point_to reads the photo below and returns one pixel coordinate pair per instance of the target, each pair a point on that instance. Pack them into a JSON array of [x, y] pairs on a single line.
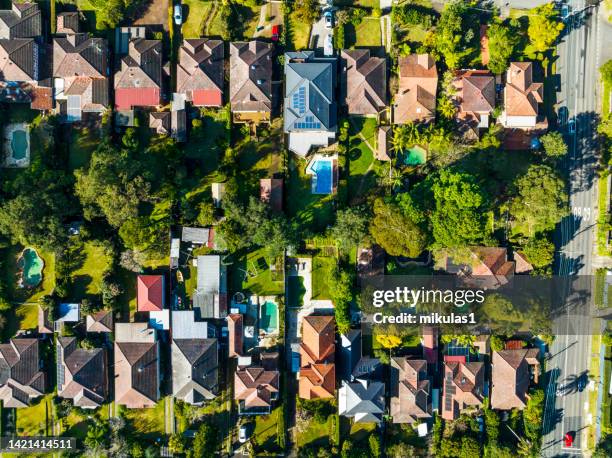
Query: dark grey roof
[[202, 355], [179, 125], [88, 367], [142, 357], [24, 54], [350, 353], [23, 21], [99, 87], [20, 361], [147, 55], [310, 99]]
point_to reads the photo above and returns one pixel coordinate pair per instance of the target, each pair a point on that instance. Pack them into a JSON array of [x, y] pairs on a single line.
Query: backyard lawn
[[36, 419], [76, 423], [260, 279], [299, 32], [266, 431], [82, 144], [323, 268], [365, 34], [147, 422], [361, 157], [87, 280]]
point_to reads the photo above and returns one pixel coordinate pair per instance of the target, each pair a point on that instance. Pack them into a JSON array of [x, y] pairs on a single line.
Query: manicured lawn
[[361, 157], [36, 419], [82, 144], [195, 12], [266, 431], [366, 34], [299, 32], [87, 280], [147, 422], [309, 210], [361, 431], [260, 279], [316, 434], [322, 271]]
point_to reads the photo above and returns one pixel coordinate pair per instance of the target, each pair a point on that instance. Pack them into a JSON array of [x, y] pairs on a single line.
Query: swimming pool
[[322, 180], [268, 317], [415, 156], [31, 266], [19, 144]]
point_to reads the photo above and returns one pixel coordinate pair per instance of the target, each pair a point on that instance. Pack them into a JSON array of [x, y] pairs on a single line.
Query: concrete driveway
[[318, 33]]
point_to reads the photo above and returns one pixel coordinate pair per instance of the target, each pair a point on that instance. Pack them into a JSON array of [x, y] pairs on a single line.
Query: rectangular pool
[[322, 180]]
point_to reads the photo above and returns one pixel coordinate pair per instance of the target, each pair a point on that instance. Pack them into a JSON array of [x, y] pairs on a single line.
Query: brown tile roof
[[235, 334], [251, 76], [200, 67], [410, 390], [476, 91], [490, 265], [18, 60], [42, 98], [160, 121], [364, 82], [510, 377], [101, 321], [256, 386], [21, 378], [384, 143], [317, 351], [271, 191], [522, 263], [141, 68], [416, 96], [463, 386], [23, 20], [317, 381], [522, 95]]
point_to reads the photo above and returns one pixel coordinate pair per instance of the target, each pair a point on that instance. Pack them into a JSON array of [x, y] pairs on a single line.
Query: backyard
[[265, 433], [82, 143], [323, 268], [367, 33], [87, 280], [251, 273], [362, 167], [36, 419], [148, 423]]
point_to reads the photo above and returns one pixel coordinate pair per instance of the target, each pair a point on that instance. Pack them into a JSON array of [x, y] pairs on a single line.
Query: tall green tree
[[545, 26], [205, 442], [540, 251], [457, 34], [554, 145], [395, 231], [502, 41], [351, 226]]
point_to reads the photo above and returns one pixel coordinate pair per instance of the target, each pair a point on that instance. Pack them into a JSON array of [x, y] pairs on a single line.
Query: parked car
[[328, 16], [568, 440], [571, 126], [328, 46], [242, 434], [275, 32], [565, 11], [178, 14]]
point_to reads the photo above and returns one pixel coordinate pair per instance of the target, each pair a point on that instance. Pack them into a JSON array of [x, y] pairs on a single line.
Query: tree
[[502, 41], [604, 447], [351, 226], [544, 28], [456, 36], [395, 231], [388, 341], [540, 251], [96, 438], [374, 442], [342, 295], [458, 218], [554, 144], [205, 442], [492, 420], [532, 415], [540, 201], [307, 11], [606, 72], [401, 450], [132, 260], [497, 343], [206, 213], [470, 448]]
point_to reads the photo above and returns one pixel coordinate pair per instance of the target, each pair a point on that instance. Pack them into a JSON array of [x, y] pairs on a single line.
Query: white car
[[178, 14], [329, 19], [328, 46], [242, 434]]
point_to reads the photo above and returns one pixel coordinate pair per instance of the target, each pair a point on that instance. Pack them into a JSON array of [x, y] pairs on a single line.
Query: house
[[68, 23], [415, 100], [463, 386], [511, 372], [362, 400], [522, 264], [410, 390], [271, 192], [522, 97], [490, 267], [138, 82], [159, 121], [256, 388], [101, 321], [19, 60], [251, 81], [123, 36], [45, 324], [23, 20], [151, 293], [195, 359], [235, 330], [136, 369], [22, 379], [363, 82], [310, 108], [210, 296], [198, 236], [81, 374], [475, 99], [429, 342], [317, 354], [383, 145], [199, 73], [80, 75], [353, 365]]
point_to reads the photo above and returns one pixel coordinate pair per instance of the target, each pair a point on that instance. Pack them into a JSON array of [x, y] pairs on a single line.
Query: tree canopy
[[351, 226], [554, 145], [544, 28], [502, 41], [457, 34]]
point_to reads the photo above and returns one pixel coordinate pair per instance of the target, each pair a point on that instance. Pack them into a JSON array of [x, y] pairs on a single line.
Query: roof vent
[[260, 82]]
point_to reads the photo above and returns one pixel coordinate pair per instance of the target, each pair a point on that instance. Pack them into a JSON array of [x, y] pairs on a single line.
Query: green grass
[[416, 34], [605, 105], [197, 13], [208, 142], [295, 291], [82, 144], [76, 424], [262, 283], [148, 423], [266, 431], [361, 431], [361, 157], [606, 404], [36, 419], [250, 17], [322, 270], [316, 434], [87, 280], [299, 32], [603, 217], [365, 34]]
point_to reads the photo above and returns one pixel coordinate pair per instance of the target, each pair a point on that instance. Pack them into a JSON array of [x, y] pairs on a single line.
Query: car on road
[[328, 16], [178, 14], [581, 383], [571, 126], [275, 32], [328, 46], [242, 434], [565, 11], [568, 439]]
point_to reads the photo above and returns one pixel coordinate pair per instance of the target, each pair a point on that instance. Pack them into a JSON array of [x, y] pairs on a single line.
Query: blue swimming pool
[[322, 181]]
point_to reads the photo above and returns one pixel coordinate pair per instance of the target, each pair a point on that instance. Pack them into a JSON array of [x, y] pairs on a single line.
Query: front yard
[[298, 33]]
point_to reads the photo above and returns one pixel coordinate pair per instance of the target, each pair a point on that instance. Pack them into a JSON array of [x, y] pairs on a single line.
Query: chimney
[[423, 60]]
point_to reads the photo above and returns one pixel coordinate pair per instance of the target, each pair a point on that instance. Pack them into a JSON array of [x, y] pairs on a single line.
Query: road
[[579, 54]]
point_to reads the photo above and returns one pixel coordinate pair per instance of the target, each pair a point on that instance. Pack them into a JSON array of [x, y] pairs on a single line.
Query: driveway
[[273, 10], [318, 34]]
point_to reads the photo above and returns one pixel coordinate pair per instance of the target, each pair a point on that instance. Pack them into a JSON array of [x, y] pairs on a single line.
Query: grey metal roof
[[310, 103], [185, 326], [364, 397], [195, 235]]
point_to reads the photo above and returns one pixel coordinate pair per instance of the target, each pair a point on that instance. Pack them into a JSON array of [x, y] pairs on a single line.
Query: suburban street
[[577, 103]]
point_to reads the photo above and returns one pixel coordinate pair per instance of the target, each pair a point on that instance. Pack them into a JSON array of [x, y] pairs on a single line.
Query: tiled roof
[[150, 293], [410, 390], [317, 351], [522, 95], [18, 60], [22, 21], [80, 55], [68, 22], [510, 377], [101, 321], [251, 76], [463, 386], [199, 71], [21, 378], [137, 373], [139, 80], [256, 386], [418, 84], [195, 369], [476, 91], [364, 82]]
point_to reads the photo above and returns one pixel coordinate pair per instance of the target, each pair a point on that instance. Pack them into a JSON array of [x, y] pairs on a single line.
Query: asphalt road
[[579, 54]]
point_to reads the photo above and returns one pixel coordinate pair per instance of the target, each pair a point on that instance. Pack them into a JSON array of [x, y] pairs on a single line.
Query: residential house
[[317, 354], [463, 386], [68, 23], [522, 264], [159, 121], [136, 367], [415, 100], [195, 359], [256, 388], [353, 365], [22, 379], [511, 372], [429, 342], [475, 99], [363, 82], [151, 293], [251, 81], [271, 192], [310, 108], [410, 390], [363, 400], [522, 97], [101, 321], [81, 373], [235, 331], [490, 267], [198, 236], [138, 82], [23, 20], [383, 145], [210, 296], [19, 60], [199, 73], [80, 75], [45, 324]]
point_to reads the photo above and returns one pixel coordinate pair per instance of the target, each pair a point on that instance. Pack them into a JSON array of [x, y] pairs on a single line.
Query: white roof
[[184, 326], [134, 332], [160, 319]]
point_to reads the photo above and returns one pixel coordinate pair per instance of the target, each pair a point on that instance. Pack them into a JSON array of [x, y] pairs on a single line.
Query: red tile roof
[[207, 98], [126, 98], [150, 293]]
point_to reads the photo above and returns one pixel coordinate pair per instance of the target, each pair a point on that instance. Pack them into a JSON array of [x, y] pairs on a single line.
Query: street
[[579, 59]]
